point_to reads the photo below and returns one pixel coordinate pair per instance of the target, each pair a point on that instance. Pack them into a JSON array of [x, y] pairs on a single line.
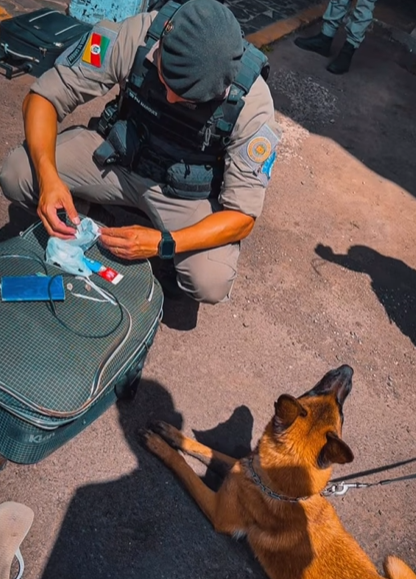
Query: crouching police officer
[[190, 141]]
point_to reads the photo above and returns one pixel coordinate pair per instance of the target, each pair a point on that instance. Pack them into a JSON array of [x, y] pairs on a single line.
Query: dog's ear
[[286, 410], [335, 450]]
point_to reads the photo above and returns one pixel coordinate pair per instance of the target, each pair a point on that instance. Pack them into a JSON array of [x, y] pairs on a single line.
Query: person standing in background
[[357, 24]]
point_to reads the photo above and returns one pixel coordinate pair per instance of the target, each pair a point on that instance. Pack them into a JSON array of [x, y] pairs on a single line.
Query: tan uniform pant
[[205, 276]]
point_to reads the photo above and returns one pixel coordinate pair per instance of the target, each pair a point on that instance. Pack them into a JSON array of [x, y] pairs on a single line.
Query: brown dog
[[274, 495]]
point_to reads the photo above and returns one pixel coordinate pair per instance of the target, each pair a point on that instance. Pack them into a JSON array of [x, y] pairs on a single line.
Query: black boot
[[342, 62], [319, 43]]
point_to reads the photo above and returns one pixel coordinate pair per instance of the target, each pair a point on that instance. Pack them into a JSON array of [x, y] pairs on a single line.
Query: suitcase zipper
[[8, 50], [76, 25], [43, 15]]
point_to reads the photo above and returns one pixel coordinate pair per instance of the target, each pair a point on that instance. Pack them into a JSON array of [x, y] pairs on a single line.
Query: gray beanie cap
[[201, 50]]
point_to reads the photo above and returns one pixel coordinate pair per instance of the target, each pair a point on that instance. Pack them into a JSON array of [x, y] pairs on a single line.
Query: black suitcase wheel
[[126, 390]]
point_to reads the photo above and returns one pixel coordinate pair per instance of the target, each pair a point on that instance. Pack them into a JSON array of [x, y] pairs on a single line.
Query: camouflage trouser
[[358, 21]]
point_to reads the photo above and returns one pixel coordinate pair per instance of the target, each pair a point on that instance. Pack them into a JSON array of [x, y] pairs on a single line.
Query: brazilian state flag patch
[[95, 49]]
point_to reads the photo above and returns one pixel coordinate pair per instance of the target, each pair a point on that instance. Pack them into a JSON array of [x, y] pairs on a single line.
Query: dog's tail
[[394, 568]]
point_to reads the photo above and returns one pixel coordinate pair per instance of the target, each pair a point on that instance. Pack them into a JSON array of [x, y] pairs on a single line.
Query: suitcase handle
[[7, 50]]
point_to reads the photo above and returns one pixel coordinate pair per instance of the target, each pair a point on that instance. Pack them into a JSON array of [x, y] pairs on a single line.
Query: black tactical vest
[[182, 145]]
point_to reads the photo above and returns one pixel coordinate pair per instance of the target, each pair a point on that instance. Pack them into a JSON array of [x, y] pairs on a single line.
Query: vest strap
[[138, 71], [252, 63]]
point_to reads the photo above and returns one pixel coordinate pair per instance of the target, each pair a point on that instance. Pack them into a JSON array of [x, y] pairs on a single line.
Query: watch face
[[168, 248]]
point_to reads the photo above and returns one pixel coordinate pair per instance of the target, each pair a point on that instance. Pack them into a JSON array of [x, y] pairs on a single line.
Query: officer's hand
[[53, 198], [133, 242]]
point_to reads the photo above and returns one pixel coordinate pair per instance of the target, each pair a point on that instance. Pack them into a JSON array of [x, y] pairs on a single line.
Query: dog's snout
[[337, 381], [345, 372], [343, 384]]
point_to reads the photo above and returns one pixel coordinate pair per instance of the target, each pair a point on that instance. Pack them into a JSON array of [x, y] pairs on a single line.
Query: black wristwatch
[[166, 248]]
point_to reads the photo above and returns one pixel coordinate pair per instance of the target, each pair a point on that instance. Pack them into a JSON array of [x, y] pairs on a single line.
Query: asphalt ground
[[327, 277]]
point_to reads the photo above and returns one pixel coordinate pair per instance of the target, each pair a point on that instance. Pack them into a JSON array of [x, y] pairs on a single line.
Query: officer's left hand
[[132, 242]]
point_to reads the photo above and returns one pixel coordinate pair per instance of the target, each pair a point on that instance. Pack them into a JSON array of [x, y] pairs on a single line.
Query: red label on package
[[110, 275]]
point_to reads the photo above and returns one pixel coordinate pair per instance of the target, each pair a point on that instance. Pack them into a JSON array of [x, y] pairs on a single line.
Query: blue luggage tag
[[32, 288]]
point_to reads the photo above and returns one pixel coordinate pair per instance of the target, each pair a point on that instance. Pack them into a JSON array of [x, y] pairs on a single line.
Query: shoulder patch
[[259, 149], [259, 153], [92, 50], [95, 49]]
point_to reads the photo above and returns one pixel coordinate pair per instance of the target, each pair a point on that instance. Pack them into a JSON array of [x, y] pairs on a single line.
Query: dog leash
[[338, 489]]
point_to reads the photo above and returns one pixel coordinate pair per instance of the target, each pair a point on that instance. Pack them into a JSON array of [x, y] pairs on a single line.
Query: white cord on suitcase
[[102, 292]]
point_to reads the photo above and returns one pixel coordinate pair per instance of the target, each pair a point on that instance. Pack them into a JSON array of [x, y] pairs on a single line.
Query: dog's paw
[[141, 434], [153, 442], [172, 435]]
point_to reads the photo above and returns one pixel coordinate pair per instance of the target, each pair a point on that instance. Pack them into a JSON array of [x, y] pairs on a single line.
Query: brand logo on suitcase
[[38, 438]]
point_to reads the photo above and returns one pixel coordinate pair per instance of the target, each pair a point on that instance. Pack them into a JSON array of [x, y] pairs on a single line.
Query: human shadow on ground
[[392, 281], [144, 524]]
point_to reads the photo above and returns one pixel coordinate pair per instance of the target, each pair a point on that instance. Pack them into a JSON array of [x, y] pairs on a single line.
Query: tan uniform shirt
[[92, 67]]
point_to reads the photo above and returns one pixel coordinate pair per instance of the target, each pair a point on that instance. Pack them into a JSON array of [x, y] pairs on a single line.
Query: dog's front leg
[[209, 502], [216, 461]]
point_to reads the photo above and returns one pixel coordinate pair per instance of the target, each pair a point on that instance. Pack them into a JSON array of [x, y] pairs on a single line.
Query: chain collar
[[257, 481]]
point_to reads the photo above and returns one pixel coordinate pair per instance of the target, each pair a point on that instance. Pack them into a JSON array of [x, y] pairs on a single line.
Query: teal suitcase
[[62, 364]]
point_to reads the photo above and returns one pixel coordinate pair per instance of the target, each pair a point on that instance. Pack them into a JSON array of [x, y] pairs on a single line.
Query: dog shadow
[[144, 524], [232, 437], [392, 281]]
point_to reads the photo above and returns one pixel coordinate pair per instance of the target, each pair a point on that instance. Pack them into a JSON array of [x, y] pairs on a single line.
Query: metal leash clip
[[339, 489]]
